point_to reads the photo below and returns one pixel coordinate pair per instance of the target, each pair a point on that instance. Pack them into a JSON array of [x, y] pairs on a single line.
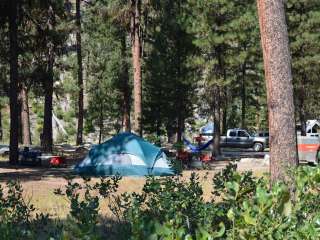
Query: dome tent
[[125, 154]]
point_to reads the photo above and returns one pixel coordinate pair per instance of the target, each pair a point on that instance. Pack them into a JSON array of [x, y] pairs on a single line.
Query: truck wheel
[[258, 147]]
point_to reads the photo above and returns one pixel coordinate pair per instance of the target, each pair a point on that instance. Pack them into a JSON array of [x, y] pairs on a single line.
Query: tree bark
[[14, 113], [47, 122], [48, 90], [180, 129], [277, 66], [224, 111], [25, 117], [216, 151], [79, 140], [125, 88], [136, 58]]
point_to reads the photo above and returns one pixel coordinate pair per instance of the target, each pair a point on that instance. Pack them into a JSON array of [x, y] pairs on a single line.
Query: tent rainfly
[[125, 154]]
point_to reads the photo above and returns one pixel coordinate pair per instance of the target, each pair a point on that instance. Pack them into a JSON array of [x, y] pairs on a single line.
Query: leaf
[[287, 209], [230, 214], [221, 232], [249, 220]]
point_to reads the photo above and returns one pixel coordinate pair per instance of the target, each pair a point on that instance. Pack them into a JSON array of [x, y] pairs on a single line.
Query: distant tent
[[125, 154], [207, 129]]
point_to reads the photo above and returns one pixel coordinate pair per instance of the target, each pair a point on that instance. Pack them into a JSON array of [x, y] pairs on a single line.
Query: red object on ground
[[205, 158], [57, 161]]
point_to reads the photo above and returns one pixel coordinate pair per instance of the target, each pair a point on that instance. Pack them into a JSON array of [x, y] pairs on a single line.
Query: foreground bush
[[241, 207]]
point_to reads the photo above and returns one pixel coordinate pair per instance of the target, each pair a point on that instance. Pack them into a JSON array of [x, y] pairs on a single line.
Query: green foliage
[[84, 206], [170, 81], [106, 63], [241, 207], [303, 19], [15, 213]]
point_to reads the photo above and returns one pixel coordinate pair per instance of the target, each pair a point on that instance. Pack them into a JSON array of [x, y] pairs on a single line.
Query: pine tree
[[14, 124], [277, 65], [80, 73]]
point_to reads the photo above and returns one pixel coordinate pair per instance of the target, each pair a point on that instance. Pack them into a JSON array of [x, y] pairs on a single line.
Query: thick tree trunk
[[25, 118], [136, 58], [125, 88], [216, 151], [14, 113], [47, 122], [48, 91], [79, 140], [277, 65]]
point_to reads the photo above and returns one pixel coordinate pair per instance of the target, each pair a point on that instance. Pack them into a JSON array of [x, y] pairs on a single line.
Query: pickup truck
[[240, 138]]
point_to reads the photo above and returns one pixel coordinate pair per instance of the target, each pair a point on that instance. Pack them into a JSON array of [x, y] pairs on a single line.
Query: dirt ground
[[39, 183]]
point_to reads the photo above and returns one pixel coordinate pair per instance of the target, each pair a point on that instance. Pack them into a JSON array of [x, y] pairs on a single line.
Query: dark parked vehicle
[[240, 138], [264, 134]]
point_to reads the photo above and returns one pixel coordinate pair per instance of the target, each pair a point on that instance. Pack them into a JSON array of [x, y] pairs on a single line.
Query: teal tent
[[125, 154]]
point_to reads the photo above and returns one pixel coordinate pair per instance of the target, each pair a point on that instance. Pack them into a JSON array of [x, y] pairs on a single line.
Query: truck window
[[243, 134], [233, 134]]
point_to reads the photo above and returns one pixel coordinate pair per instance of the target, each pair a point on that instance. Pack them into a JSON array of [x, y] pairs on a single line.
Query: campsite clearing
[[39, 183]]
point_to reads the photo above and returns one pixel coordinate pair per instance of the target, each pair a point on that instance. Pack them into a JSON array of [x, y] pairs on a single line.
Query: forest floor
[[39, 183]]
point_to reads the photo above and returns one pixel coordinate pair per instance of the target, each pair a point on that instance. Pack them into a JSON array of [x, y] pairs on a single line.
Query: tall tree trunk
[[14, 113], [25, 118], [80, 75], [48, 90], [125, 88], [47, 122], [180, 126], [136, 58], [1, 130], [216, 151], [243, 96], [224, 113], [277, 65], [170, 134]]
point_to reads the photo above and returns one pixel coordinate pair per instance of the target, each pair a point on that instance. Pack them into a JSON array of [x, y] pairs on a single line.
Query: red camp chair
[[57, 161]]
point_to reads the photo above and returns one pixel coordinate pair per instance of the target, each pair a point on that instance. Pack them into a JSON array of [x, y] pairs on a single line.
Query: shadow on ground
[[32, 173]]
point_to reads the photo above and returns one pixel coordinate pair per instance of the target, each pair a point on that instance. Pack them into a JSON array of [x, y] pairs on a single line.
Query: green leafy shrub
[[15, 213], [242, 207], [84, 202], [170, 208]]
